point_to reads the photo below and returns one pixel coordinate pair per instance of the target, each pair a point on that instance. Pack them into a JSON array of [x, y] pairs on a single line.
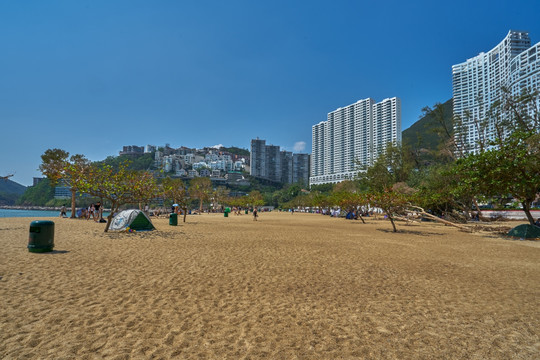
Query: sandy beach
[[300, 286]]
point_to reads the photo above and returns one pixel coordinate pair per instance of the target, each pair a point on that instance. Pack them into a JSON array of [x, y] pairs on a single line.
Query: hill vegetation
[[235, 150], [41, 194], [429, 131], [143, 162], [10, 191], [11, 187]]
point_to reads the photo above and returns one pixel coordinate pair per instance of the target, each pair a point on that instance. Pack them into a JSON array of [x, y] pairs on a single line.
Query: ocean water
[[6, 213]]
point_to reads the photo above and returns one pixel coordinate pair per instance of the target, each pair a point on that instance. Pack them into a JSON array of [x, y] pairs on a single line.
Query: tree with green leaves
[[391, 202], [175, 189], [255, 198], [509, 164], [393, 165], [58, 166], [220, 195], [320, 200], [512, 168], [119, 187], [350, 201], [200, 188]]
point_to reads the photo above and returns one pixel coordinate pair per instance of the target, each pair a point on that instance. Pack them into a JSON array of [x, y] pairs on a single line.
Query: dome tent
[[134, 219], [525, 231]]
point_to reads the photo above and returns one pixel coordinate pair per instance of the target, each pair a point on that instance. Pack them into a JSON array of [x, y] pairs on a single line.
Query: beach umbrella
[[174, 204]]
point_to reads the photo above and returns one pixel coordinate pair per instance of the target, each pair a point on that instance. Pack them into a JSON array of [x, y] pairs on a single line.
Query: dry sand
[[299, 286]]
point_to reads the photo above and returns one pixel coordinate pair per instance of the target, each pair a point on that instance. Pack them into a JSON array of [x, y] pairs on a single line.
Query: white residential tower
[[351, 136], [479, 81]]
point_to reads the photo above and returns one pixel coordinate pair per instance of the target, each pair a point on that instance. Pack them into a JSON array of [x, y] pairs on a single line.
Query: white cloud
[[299, 146]]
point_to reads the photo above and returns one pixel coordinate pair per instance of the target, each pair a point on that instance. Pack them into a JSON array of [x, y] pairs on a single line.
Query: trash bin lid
[[42, 223]]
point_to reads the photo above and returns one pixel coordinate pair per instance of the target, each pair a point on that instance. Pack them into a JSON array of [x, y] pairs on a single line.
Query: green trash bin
[[226, 214], [41, 237], [247, 211], [173, 219]]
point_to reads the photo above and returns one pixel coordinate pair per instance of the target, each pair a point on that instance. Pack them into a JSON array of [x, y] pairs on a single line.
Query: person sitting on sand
[[97, 212], [90, 213]]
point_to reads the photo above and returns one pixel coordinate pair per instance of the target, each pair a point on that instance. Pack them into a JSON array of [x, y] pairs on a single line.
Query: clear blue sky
[[91, 76]]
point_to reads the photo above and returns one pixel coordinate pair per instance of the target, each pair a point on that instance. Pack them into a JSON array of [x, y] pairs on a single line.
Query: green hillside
[[37, 195], [10, 191], [11, 187], [426, 133], [235, 150]]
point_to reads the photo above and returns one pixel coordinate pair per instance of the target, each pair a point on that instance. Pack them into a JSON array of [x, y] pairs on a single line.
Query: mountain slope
[[11, 187], [424, 133], [10, 191]]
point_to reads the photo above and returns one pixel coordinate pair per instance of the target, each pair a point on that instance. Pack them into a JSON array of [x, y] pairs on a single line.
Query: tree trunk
[[200, 205], [527, 210], [185, 213], [114, 208], [392, 221], [73, 195], [478, 208]]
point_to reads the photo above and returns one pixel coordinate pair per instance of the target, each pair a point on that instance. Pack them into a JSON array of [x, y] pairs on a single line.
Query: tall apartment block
[[351, 136], [477, 83], [269, 162], [300, 168], [257, 158], [287, 167]]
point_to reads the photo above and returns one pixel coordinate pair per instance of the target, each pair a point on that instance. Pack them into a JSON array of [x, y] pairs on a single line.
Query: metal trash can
[[41, 237], [173, 219]]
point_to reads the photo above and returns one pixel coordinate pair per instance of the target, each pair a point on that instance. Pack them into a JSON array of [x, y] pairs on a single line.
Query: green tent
[[525, 231], [134, 219]]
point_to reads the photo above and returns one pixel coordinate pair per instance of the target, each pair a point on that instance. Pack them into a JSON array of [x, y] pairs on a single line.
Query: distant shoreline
[[18, 207], [44, 208]]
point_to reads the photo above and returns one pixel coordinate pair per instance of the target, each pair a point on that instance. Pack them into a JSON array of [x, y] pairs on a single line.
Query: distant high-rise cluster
[[479, 81], [351, 136], [269, 162]]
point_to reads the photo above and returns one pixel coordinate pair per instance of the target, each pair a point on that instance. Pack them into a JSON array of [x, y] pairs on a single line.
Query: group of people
[[237, 210], [94, 211]]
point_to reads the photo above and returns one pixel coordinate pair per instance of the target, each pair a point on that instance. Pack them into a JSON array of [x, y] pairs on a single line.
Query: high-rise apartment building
[[478, 82], [257, 158], [269, 162], [351, 136], [300, 168], [273, 163], [286, 167]]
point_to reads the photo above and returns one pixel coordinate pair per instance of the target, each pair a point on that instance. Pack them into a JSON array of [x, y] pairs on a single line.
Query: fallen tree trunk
[[406, 219], [433, 217]]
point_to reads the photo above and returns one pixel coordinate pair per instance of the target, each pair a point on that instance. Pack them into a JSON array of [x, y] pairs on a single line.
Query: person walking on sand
[[63, 211], [255, 215]]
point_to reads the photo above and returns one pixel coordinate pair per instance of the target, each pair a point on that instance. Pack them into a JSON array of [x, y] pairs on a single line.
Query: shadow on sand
[[54, 252], [411, 232]]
